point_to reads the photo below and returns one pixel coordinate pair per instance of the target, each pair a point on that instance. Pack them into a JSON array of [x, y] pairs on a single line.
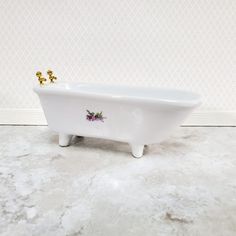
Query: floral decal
[[92, 116]]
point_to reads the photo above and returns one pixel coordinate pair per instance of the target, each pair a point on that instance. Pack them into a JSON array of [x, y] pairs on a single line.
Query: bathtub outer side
[[136, 122]]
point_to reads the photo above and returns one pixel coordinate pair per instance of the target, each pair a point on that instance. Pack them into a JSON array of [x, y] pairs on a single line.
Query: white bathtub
[[138, 116]]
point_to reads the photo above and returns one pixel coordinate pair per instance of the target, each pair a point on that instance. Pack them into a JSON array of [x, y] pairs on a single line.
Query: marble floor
[[183, 186]]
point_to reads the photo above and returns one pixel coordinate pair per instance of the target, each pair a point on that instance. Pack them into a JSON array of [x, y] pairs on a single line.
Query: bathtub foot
[[64, 140], [137, 150]]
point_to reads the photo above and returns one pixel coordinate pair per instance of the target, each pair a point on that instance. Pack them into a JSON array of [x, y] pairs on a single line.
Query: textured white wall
[[188, 44]]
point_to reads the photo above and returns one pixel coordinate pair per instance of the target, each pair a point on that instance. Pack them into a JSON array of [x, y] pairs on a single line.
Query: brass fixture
[[51, 76], [40, 78]]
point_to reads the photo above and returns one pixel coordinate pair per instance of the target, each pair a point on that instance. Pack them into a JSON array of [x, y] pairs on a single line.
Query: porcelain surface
[[138, 116], [184, 186]]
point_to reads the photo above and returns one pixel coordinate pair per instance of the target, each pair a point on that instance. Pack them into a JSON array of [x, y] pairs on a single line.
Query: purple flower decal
[[92, 116]]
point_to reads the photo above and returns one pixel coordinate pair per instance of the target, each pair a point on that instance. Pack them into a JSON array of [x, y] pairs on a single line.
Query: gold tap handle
[[40, 78], [51, 76]]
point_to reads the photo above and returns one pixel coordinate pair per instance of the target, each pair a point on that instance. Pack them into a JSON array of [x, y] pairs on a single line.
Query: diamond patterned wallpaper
[[187, 44]]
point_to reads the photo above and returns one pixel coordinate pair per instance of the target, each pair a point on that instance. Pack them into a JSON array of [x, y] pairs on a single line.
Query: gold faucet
[[40, 78], [51, 76]]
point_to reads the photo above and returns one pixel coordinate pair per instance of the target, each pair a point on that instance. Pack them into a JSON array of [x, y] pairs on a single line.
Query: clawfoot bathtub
[[138, 116]]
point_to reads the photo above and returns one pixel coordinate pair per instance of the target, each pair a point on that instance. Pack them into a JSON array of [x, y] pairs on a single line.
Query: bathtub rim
[[55, 90]]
